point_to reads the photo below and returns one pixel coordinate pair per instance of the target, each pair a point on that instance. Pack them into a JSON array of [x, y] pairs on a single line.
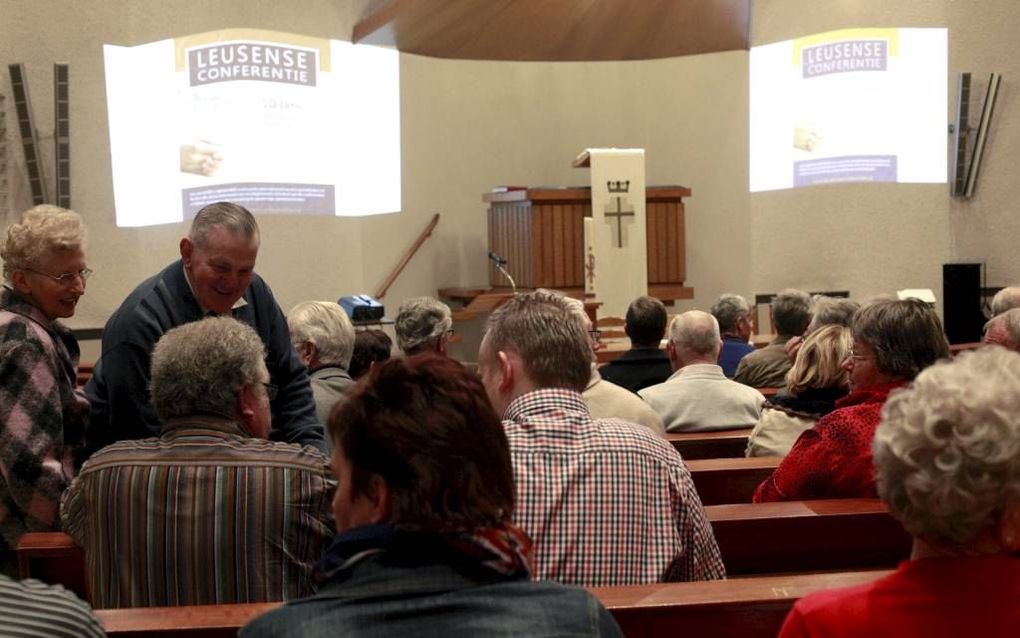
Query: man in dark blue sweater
[[215, 276]]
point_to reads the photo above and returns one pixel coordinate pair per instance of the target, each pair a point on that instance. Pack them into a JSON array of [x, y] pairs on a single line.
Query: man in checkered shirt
[[606, 503]]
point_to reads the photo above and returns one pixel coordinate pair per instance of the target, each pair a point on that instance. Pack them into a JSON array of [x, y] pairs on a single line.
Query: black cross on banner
[[618, 215]]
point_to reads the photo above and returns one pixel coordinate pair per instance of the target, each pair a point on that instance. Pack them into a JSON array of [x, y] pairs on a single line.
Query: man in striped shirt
[[29, 609], [210, 512], [606, 502]]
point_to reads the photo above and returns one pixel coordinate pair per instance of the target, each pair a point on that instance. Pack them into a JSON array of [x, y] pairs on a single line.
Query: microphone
[[500, 262]]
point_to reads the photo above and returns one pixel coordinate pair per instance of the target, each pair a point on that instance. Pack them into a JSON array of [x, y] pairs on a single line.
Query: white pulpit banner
[[619, 245]]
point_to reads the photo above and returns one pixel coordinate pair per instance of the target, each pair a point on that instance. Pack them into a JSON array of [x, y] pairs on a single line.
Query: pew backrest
[[723, 481], [805, 536], [53, 557], [719, 444]]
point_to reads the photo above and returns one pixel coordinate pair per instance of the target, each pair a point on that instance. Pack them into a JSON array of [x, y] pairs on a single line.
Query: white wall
[[470, 125]]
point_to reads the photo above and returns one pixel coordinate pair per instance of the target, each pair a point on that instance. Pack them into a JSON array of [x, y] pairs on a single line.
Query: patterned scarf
[[505, 550]]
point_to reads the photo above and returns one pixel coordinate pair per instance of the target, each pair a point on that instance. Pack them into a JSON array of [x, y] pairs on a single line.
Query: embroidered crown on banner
[[618, 186]]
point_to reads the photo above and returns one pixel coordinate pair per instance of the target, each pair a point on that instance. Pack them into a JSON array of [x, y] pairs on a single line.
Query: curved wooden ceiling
[[556, 30]]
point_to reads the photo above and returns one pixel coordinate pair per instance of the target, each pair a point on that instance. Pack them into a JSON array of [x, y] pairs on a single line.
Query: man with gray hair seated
[[825, 311], [210, 511], [767, 368], [1004, 330], [734, 316], [423, 324], [1005, 299], [698, 397], [323, 337]]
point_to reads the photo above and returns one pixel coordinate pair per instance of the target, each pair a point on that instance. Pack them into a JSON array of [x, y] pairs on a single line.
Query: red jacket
[[832, 459]]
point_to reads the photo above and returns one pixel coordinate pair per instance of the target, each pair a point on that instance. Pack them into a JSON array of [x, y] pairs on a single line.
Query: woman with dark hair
[[947, 460], [423, 506], [892, 342]]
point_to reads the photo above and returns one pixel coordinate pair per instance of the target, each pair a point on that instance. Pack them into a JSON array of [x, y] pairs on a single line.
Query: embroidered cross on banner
[[618, 214]]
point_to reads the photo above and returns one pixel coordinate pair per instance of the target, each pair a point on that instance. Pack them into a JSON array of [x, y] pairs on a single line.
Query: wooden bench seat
[[748, 607], [720, 444], [806, 536], [724, 481]]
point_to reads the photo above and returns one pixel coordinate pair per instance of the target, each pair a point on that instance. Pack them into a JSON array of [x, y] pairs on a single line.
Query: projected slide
[[857, 105], [280, 123]]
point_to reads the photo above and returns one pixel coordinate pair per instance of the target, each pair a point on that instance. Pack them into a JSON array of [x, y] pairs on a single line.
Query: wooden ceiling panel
[[557, 30]]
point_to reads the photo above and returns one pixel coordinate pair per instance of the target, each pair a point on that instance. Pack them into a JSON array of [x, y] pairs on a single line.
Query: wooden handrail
[[407, 257]]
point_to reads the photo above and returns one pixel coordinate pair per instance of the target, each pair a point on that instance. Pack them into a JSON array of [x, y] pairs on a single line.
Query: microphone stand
[[499, 261]]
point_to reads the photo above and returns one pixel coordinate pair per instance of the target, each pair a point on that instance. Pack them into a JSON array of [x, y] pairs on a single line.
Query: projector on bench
[[362, 308]]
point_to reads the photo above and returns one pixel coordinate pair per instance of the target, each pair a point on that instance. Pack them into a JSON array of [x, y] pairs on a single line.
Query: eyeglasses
[[595, 334], [66, 279], [859, 357], [271, 390]]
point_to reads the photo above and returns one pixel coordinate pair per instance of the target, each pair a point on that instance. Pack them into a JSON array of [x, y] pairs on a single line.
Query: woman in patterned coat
[[42, 415]]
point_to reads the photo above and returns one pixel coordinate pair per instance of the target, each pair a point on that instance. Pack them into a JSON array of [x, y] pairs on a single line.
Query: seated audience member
[[42, 415], [947, 458], [424, 509], [370, 347], [892, 342], [645, 363], [608, 400], [606, 503], [1006, 299], [825, 311], [767, 368], [232, 517], [813, 385], [423, 324], [698, 397], [323, 336], [30, 608], [734, 316], [214, 276], [1004, 330]]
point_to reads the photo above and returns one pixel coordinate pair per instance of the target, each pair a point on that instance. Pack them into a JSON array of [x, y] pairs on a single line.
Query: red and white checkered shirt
[[606, 503]]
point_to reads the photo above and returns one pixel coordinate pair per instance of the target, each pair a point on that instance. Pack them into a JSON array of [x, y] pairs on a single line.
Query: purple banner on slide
[[264, 197], [849, 168]]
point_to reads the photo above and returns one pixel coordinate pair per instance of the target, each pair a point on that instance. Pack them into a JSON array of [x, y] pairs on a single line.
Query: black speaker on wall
[[961, 301]]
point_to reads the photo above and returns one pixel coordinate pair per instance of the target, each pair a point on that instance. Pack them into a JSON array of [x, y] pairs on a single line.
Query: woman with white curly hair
[[947, 459], [42, 415]]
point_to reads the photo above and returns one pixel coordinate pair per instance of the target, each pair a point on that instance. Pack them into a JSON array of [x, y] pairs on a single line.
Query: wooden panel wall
[[666, 242], [558, 237], [510, 233]]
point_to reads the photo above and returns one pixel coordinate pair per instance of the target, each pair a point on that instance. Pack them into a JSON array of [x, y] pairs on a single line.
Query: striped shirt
[[605, 502], [205, 514], [30, 609]]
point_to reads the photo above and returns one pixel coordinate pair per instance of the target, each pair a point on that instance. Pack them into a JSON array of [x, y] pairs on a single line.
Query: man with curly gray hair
[[236, 518], [423, 324], [947, 459]]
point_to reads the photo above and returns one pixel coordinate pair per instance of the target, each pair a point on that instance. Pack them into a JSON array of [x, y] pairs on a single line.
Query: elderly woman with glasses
[[42, 415], [947, 459], [892, 342]]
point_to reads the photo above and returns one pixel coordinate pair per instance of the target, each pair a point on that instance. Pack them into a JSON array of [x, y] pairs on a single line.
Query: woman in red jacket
[[947, 457], [893, 342]]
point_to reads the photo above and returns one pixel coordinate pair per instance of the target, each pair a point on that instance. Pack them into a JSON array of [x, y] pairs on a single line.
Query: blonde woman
[[813, 385], [42, 415]]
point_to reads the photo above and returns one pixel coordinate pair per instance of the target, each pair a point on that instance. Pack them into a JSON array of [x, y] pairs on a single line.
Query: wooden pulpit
[[540, 232]]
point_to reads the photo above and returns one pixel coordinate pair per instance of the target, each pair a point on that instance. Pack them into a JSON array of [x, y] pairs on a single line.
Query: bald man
[[698, 396]]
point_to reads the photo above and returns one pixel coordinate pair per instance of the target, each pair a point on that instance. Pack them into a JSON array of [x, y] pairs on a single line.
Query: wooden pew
[[53, 558], [805, 536], [199, 621], [745, 607], [721, 444], [85, 370], [748, 607], [723, 481]]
